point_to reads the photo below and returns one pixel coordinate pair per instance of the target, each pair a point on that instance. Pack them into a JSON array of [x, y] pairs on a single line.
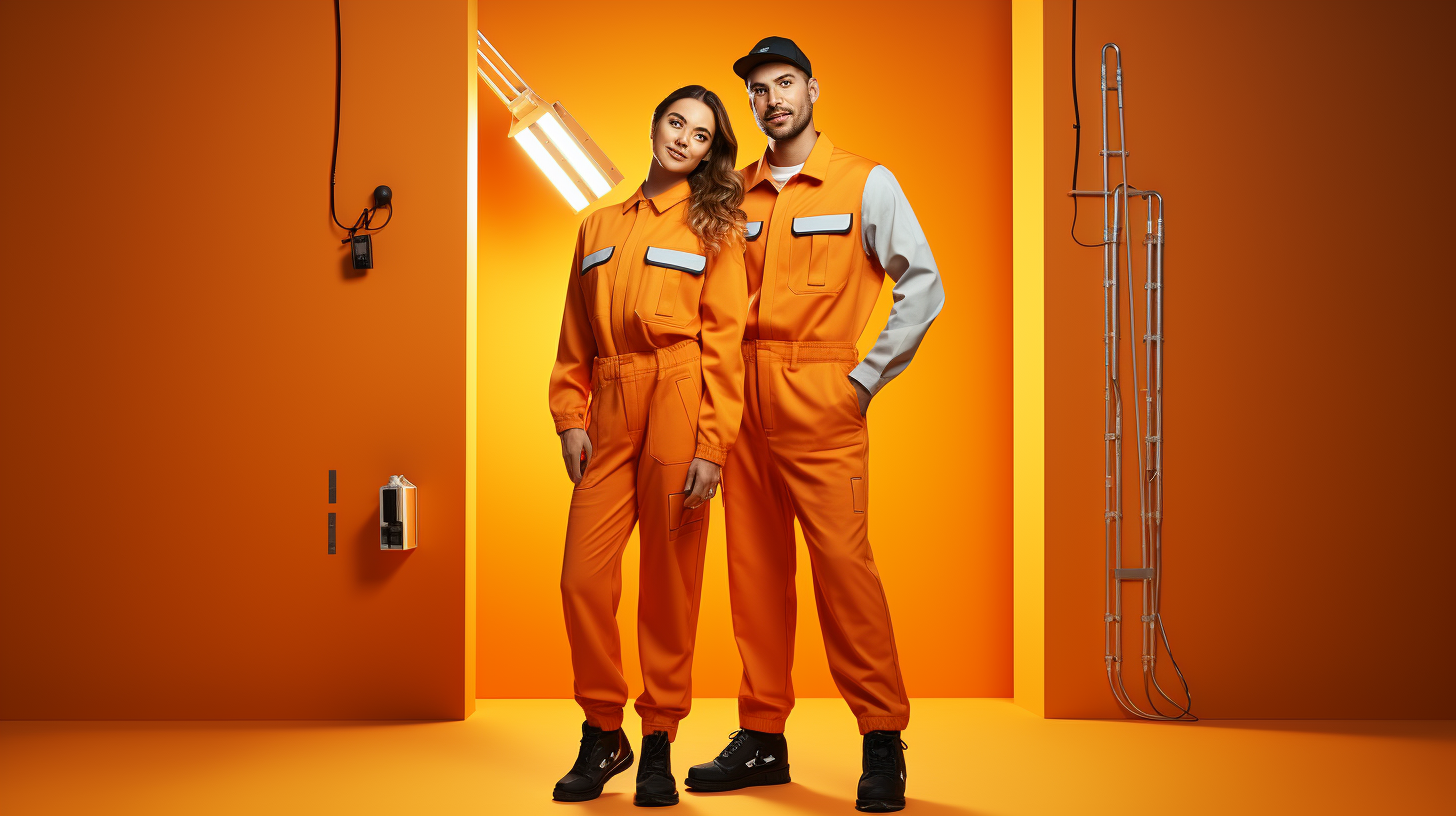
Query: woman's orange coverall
[[652, 331]]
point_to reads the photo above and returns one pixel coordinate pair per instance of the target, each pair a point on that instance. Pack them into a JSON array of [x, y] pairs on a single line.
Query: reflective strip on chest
[[596, 259], [824, 224], [677, 259], [754, 229]]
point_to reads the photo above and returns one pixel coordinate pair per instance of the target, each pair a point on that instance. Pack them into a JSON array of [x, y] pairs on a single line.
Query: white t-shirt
[[783, 174]]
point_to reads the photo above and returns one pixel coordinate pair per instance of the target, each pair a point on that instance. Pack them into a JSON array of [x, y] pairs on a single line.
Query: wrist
[[709, 452]]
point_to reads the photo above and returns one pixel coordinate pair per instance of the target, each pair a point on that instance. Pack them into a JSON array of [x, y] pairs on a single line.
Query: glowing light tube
[[575, 155], [558, 177]]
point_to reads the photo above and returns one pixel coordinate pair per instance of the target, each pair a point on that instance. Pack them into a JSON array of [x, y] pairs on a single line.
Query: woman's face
[[683, 135]]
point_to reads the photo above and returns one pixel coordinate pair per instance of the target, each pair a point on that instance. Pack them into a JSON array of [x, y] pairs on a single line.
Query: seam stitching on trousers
[[790, 587]]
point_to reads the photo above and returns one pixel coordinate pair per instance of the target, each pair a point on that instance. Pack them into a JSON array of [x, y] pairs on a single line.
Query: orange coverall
[[651, 331], [803, 450]]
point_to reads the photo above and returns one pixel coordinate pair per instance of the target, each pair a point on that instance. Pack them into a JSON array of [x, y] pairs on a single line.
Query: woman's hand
[[702, 483], [575, 443]]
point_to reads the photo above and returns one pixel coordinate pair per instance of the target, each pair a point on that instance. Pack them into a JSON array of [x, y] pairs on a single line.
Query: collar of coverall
[[815, 167], [662, 202]]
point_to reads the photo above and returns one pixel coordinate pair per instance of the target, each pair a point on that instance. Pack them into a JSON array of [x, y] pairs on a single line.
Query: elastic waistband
[[800, 351], [625, 365]]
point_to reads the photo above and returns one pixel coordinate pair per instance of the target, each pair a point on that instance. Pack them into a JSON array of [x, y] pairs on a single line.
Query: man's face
[[782, 98]]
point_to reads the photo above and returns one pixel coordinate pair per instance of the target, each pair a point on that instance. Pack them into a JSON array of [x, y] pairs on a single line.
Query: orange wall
[[925, 90], [186, 359], [1305, 153]]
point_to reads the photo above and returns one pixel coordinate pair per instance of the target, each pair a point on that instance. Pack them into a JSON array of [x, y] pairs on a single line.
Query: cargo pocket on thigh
[[857, 493], [672, 429], [681, 521]]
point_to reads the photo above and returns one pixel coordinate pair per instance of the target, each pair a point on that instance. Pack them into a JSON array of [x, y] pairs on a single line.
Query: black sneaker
[[752, 758], [603, 755], [882, 785], [655, 785]]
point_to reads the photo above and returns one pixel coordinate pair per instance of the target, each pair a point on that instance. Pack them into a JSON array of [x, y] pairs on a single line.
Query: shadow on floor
[[794, 796], [813, 802], [1438, 730]]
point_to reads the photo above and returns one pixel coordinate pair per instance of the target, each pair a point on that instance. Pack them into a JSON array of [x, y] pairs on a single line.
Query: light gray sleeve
[[891, 234]]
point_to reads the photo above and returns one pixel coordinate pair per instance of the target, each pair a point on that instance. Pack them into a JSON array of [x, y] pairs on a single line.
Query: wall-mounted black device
[[361, 248], [363, 252]]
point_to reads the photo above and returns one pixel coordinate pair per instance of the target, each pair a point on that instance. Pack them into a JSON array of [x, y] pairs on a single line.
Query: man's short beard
[[797, 126]]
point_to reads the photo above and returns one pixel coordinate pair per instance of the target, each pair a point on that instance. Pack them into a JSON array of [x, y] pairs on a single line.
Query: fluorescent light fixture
[[574, 163], [568, 147], [553, 171]]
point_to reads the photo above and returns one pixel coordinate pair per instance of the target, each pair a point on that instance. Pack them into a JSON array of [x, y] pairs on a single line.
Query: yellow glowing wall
[[1028, 346]]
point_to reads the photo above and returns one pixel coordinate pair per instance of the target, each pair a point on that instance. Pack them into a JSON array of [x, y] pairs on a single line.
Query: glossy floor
[[967, 757]]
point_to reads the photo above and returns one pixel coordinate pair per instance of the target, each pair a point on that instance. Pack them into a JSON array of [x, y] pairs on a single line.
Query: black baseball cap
[[772, 49]]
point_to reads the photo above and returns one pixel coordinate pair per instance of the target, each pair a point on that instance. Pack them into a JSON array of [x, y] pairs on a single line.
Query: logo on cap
[[765, 48]]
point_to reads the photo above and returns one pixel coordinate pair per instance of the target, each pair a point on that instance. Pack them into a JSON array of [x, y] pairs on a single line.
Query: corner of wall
[[472, 92], [1028, 367]]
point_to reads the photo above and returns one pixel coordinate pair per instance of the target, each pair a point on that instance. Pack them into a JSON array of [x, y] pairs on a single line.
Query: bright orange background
[[163, 349], [926, 91], [1305, 151], [186, 359]]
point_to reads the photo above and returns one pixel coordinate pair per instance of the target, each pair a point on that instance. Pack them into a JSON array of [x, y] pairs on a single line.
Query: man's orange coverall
[[651, 331], [818, 252]]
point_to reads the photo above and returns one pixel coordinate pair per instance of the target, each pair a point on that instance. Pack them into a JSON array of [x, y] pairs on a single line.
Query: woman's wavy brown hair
[[714, 213]]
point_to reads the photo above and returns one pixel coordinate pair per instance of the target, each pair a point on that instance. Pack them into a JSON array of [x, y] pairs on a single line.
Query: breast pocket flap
[[688, 262], [596, 259], [838, 224]]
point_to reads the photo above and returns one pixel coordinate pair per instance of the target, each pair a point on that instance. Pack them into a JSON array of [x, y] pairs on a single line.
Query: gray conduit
[[1116, 210]]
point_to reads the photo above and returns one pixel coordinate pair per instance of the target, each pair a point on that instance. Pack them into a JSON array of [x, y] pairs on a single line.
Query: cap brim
[[748, 63]]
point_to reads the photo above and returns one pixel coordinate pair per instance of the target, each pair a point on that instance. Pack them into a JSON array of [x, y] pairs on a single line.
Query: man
[[825, 228]]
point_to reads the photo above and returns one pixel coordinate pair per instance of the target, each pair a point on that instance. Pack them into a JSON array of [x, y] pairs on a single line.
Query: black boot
[[603, 755], [882, 785], [655, 785], [752, 758]]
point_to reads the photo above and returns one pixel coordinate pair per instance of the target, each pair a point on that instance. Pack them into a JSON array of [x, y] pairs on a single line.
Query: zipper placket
[[768, 291], [624, 271]]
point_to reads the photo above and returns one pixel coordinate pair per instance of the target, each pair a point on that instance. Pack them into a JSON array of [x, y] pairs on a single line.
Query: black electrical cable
[[362, 223], [390, 205], [1187, 707], [338, 92], [1077, 126]]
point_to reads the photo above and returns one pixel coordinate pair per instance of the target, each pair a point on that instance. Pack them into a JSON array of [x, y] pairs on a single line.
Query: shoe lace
[[655, 757], [880, 754], [583, 756], [739, 737]]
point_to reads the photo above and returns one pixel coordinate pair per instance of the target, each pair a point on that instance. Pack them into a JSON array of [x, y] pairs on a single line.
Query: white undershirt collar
[[783, 174]]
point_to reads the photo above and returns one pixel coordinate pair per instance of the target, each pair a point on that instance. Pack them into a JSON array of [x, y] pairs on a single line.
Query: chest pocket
[[602, 262], [820, 253], [673, 285]]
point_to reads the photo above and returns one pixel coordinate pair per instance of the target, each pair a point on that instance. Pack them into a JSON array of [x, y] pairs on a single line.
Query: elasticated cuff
[[671, 728], [763, 724], [607, 721], [711, 452], [868, 724], [565, 422]]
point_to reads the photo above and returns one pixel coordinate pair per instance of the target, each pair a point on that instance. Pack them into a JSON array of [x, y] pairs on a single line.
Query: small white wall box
[[398, 515]]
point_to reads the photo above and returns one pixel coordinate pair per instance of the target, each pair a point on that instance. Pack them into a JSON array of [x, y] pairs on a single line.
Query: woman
[[655, 309]]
